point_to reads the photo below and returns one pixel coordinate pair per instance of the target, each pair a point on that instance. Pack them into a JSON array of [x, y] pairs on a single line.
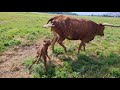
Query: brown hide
[[75, 29]]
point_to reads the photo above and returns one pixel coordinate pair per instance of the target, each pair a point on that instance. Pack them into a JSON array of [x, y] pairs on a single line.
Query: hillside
[[65, 13], [112, 14], [21, 33]]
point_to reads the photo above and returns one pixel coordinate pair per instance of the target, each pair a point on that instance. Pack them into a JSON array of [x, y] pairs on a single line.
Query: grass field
[[101, 59]]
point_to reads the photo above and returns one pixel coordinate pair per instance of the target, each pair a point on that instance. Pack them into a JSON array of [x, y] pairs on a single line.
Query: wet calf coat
[[42, 53]]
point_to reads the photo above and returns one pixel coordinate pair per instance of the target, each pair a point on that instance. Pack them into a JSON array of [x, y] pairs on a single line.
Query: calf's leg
[[45, 62], [33, 63]]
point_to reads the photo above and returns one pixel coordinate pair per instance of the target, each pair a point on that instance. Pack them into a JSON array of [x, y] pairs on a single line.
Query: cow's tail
[[49, 25], [50, 20]]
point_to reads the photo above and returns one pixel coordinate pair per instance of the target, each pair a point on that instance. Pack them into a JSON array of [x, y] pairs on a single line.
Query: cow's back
[[74, 29]]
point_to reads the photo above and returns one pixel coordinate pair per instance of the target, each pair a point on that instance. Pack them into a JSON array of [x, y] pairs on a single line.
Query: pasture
[[24, 29]]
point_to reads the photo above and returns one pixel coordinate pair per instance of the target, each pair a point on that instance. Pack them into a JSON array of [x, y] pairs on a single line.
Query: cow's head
[[100, 30]]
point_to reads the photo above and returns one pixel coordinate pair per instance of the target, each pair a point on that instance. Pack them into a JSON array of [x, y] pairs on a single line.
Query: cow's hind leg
[[84, 46], [60, 41], [80, 46], [53, 43]]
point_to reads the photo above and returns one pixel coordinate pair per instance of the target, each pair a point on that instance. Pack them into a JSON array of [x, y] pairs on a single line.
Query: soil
[[11, 61]]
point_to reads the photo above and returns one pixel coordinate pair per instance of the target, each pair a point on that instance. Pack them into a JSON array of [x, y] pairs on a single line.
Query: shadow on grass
[[88, 66], [80, 66]]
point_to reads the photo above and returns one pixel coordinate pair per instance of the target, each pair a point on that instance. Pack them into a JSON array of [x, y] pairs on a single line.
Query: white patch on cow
[[48, 25]]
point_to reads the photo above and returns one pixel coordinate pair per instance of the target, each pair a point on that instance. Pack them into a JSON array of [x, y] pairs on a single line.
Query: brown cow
[[65, 27]]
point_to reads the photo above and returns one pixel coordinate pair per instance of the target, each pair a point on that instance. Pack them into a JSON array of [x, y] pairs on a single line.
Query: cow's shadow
[[95, 66], [86, 66]]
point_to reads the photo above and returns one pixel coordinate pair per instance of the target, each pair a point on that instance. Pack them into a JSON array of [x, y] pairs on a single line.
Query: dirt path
[[11, 61]]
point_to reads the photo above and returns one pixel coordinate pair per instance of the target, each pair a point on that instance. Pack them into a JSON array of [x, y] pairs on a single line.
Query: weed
[[58, 50]]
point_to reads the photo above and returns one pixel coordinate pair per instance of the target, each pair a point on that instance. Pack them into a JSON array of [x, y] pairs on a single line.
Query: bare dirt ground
[[11, 61]]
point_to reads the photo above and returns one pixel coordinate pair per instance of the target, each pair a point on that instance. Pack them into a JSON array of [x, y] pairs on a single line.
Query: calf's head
[[47, 42]]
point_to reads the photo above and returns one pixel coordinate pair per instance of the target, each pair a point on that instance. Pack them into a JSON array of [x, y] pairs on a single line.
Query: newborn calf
[[43, 53]]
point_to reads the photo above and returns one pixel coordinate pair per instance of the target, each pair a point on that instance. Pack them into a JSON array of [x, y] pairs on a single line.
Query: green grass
[[84, 66], [101, 59], [21, 25]]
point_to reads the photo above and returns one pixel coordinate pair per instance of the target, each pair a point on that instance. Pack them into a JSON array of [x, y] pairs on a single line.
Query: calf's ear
[[44, 41]]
